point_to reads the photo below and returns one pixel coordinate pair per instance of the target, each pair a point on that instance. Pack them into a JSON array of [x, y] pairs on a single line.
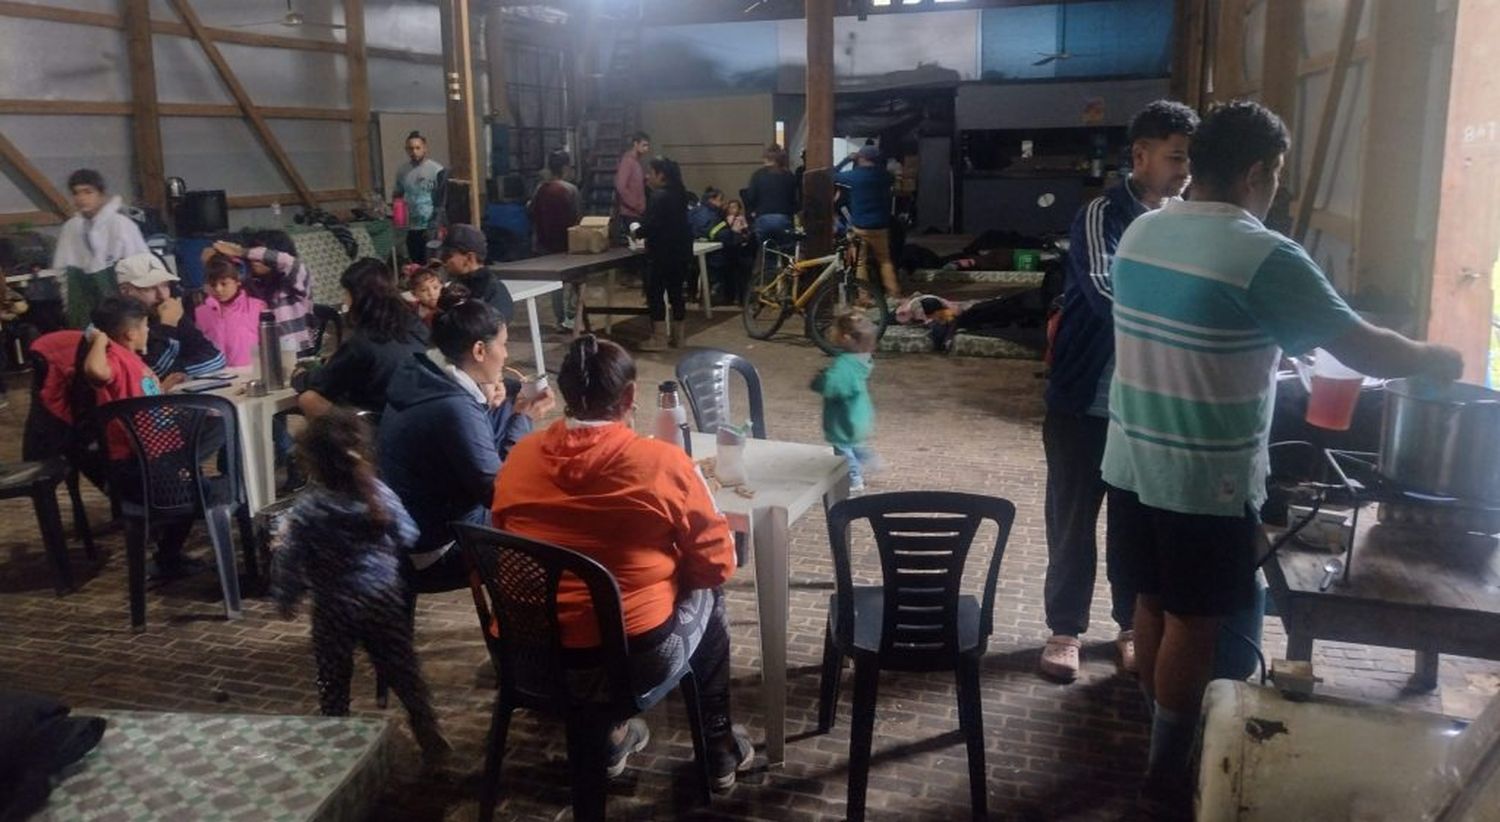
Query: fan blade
[[1045, 60], [261, 23], [322, 25]]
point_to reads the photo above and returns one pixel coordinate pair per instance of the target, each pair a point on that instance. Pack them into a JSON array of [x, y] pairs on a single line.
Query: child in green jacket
[[848, 414]]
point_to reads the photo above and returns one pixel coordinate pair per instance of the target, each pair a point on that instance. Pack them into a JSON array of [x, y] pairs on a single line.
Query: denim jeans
[[858, 456], [777, 230], [1074, 445]]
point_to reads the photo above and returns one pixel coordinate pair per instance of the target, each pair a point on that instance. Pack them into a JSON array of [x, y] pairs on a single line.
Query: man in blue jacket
[[1077, 420], [869, 187]]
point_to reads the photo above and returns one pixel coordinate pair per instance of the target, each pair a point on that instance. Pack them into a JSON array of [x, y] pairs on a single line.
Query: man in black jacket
[[175, 349], [463, 255]]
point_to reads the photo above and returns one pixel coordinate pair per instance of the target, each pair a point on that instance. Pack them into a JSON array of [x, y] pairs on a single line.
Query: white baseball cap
[[143, 270]]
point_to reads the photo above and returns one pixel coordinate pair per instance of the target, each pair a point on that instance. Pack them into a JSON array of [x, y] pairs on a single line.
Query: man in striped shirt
[[1078, 390], [1206, 301]]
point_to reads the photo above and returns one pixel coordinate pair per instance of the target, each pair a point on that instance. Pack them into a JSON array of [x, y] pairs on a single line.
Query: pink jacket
[[234, 328]]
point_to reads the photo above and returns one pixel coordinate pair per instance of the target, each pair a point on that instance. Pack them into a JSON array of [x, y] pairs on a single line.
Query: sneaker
[[637, 735], [1125, 647], [1060, 658], [435, 747], [856, 486], [726, 763], [652, 344]]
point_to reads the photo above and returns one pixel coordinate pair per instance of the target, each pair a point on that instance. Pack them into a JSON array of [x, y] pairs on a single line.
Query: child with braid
[[341, 540]]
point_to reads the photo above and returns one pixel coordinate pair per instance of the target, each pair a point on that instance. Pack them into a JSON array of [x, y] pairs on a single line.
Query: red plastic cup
[[1333, 393]]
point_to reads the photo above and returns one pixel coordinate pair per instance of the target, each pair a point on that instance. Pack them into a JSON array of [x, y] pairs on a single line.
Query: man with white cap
[[175, 349]]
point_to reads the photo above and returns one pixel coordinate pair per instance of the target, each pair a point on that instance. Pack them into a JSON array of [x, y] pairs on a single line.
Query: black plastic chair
[[704, 376], [324, 318], [39, 481], [918, 620], [514, 582], [46, 436], [170, 437]]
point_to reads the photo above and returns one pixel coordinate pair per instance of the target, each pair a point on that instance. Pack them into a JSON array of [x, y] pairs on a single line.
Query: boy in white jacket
[[98, 236]]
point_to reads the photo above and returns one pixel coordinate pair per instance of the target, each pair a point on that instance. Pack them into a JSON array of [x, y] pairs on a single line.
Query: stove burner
[[1352, 479]]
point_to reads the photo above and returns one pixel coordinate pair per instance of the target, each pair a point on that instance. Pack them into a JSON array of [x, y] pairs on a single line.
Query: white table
[[788, 479], [253, 415], [529, 290], [701, 250]]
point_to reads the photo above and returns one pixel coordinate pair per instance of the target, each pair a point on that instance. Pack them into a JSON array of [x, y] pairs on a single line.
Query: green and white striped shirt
[[1206, 299]]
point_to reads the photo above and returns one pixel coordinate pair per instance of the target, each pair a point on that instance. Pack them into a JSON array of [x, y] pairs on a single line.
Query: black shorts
[[1197, 565]]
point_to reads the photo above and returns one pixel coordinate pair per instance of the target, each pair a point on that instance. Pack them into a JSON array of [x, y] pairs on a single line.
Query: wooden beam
[[404, 55], [359, 92], [97, 107], [1230, 81], [27, 11], [463, 155], [72, 107], [1278, 68], [37, 218], [1323, 137], [257, 123], [35, 177], [1190, 23], [264, 200], [268, 112], [241, 37], [1333, 224], [1319, 63], [817, 181], [145, 115], [1392, 232]]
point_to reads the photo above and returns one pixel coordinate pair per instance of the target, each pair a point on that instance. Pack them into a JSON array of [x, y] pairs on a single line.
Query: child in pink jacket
[[229, 317]]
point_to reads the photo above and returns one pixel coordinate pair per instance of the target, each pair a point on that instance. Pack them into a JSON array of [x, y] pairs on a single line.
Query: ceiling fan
[[1062, 52], [292, 20]]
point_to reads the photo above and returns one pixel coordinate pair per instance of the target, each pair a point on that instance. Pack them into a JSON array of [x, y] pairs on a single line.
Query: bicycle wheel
[[767, 303], [841, 296]]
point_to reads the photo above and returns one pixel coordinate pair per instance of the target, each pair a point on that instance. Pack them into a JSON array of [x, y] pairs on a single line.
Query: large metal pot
[[1443, 441]]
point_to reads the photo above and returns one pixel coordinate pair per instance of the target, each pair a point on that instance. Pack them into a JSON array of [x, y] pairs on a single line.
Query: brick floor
[[1053, 752]]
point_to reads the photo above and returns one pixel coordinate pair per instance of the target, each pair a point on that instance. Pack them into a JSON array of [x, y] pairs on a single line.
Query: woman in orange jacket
[[641, 508]]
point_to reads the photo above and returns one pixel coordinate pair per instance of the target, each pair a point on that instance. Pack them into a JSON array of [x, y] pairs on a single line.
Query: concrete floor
[[1054, 752]]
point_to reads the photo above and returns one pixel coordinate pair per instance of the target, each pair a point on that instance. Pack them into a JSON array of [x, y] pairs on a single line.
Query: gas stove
[[1331, 479]]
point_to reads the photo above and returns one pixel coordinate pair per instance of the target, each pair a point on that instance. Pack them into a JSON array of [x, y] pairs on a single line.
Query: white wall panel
[[183, 73], [322, 150], [58, 144], [218, 152], [40, 59], [289, 77], [398, 85]]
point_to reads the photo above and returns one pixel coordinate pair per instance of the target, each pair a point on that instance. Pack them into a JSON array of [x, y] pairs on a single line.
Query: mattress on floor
[[184, 766]]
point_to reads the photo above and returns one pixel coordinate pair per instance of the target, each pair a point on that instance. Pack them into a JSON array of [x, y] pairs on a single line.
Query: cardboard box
[[591, 236]]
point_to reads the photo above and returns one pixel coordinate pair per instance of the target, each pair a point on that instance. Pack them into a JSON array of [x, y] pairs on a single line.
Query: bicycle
[[771, 297]]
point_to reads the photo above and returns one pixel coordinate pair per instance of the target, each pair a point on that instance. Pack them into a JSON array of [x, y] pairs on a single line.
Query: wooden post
[[359, 93], [1389, 251], [145, 115], [817, 181], [1190, 22], [237, 91], [55, 199], [1229, 51], [1279, 58], [1323, 137], [1468, 222], [498, 104], [458, 63]]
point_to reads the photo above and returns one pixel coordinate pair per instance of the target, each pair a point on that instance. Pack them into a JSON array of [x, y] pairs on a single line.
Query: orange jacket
[[638, 506]]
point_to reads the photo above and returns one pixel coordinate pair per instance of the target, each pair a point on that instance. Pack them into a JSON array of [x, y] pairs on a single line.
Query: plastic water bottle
[[671, 417], [276, 214]]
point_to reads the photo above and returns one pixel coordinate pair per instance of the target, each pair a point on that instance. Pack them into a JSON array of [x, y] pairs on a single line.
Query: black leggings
[[665, 282], [416, 245], [378, 620]]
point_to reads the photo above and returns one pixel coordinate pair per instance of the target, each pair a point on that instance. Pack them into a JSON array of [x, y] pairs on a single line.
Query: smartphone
[[204, 387]]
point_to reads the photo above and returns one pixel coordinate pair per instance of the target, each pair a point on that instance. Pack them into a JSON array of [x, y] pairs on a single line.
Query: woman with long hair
[[385, 332], [669, 251], [640, 508]]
